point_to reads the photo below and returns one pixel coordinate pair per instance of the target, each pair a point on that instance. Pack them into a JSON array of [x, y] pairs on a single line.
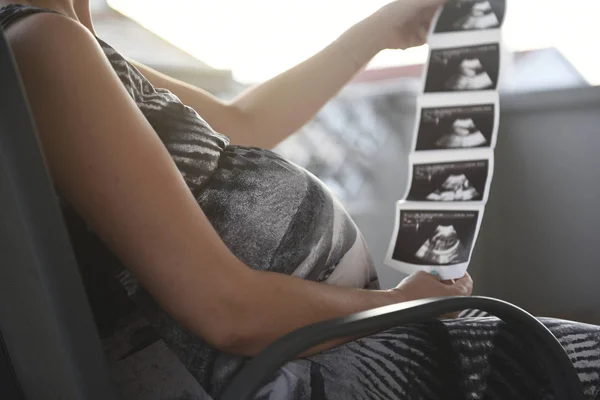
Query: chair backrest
[[49, 346]]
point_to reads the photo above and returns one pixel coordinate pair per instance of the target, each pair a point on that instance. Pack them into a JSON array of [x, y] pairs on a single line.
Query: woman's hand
[[403, 23], [422, 285]]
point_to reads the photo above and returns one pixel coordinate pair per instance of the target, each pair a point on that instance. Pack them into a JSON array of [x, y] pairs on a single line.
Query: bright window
[[257, 39]]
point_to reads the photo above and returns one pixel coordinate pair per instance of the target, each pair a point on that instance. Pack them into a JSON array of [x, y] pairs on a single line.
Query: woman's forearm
[[269, 305], [255, 308], [279, 107]]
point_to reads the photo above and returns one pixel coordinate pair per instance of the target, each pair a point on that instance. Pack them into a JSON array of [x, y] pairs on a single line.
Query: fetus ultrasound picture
[[468, 15], [451, 181], [435, 238], [456, 127], [463, 69]]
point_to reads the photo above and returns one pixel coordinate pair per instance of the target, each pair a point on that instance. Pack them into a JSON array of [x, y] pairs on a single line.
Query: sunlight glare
[[260, 38]]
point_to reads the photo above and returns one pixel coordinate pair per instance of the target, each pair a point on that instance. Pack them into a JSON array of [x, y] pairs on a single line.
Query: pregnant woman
[[199, 248]]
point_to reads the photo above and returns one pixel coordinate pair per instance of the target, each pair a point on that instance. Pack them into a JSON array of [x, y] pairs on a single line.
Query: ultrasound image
[[435, 237], [456, 127], [450, 181], [468, 15], [463, 69]]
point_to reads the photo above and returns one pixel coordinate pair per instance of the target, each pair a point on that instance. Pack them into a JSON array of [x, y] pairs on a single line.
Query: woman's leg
[[467, 358]]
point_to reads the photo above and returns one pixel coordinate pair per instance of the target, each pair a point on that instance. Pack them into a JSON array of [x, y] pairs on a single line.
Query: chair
[[49, 347]]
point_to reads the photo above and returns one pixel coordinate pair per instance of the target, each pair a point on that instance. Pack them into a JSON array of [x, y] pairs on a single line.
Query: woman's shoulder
[[57, 58], [44, 38], [53, 32], [11, 13]]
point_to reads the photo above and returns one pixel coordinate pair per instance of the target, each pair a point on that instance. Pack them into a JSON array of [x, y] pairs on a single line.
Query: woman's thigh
[[468, 358]]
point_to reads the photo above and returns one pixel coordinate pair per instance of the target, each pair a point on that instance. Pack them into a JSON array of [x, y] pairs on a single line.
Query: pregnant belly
[[274, 215]]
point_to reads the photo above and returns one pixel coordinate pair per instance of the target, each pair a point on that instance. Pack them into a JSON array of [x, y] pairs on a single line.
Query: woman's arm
[[268, 113], [108, 162], [279, 107]]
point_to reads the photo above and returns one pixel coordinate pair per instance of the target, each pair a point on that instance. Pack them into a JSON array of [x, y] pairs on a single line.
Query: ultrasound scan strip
[[451, 165]]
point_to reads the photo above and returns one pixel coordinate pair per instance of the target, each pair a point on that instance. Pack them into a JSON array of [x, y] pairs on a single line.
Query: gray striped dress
[[276, 216]]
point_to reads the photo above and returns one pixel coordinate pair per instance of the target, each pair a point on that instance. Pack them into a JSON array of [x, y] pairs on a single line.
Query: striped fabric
[[193, 145], [465, 358], [275, 216]]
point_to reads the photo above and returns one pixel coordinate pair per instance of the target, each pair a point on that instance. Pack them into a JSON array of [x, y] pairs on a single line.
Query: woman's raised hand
[[403, 23]]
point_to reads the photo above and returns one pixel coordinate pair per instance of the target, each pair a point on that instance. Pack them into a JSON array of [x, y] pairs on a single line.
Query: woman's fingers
[[461, 287], [428, 13], [424, 24], [422, 32]]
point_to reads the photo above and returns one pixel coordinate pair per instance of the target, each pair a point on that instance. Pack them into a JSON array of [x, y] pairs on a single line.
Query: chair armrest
[[557, 365]]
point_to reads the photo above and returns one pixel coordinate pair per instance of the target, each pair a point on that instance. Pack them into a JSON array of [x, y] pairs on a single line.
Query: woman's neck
[[78, 10]]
